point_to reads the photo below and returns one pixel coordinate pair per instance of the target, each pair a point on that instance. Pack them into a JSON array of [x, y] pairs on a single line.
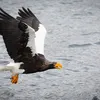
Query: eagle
[[24, 38]]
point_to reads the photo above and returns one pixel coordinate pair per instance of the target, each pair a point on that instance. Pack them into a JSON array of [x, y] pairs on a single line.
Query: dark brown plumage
[[19, 37]]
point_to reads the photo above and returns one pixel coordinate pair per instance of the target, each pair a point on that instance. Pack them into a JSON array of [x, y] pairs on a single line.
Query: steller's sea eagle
[[24, 39]]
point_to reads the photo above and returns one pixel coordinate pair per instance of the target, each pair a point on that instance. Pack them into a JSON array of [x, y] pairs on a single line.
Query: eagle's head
[[44, 64]]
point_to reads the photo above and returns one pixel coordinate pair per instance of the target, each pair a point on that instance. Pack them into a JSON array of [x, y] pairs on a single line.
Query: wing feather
[[12, 31], [28, 17], [3, 13]]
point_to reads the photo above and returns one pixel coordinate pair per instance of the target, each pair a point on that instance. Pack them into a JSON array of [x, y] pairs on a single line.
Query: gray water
[[73, 39]]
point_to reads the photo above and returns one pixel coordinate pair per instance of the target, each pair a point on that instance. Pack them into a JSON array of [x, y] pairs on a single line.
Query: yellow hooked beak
[[58, 66]]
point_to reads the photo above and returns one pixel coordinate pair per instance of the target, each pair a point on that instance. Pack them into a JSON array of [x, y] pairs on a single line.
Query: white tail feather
[[5, 68], [12, 67]]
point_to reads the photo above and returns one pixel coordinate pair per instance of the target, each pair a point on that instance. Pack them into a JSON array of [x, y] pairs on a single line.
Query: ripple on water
[[91, 33], [95, 98], [73, 70], [6, 94], [65, 59], [79, 45], [4, 62], [98, 43]]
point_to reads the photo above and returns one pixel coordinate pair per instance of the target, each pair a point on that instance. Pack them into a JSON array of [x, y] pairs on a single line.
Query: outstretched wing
[[16, 34], [28, 17], [10, 32]]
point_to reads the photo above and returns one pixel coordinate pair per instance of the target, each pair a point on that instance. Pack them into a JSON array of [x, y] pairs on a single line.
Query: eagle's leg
[[14, 78]]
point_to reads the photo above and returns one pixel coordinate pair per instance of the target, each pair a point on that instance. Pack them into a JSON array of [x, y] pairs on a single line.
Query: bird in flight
[[24, 40]]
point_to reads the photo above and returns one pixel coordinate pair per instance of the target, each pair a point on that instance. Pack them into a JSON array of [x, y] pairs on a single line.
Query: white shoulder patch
[[40, 38], [36, 39], [31, 41]]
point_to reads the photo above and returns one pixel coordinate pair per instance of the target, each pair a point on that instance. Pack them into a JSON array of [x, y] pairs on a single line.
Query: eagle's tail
[[6, 68], [12, 67], [3, 68]]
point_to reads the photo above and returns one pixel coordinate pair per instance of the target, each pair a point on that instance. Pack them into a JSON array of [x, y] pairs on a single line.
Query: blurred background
[[73, 39]]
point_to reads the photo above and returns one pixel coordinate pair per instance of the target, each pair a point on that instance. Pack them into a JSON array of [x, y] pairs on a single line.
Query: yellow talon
[[14, 79]]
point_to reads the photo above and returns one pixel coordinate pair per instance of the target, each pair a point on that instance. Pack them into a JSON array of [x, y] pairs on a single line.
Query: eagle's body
[[24, 39]]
